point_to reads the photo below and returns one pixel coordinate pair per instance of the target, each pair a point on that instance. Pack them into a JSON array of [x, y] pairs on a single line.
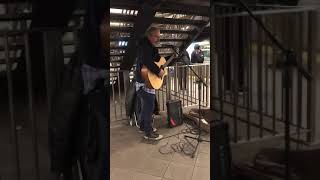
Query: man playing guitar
[[147, 55]]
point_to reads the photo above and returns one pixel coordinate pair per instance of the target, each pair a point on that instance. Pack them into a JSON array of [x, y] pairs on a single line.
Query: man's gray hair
[[151, 29]]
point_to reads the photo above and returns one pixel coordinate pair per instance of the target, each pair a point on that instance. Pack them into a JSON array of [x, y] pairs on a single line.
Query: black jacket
[[197, 57], [147, 54]]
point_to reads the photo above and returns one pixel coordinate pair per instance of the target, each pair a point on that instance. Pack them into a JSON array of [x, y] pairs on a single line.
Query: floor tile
[[128, 160], [200, 173], [177, 171], [120, 174], [163, 153], [183, 159], [155, 167], [204, 147], [203, 160], [142, 176]]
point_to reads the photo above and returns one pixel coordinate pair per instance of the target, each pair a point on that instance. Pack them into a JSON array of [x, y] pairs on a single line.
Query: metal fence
[[180, 83], [24, 115], [248, 84], [244, 82]]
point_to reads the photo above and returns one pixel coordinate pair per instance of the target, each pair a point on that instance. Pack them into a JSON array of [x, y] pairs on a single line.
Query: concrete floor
[[133, 158]]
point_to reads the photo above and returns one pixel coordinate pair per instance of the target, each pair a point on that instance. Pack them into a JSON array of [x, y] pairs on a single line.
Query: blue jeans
[[147, 108]]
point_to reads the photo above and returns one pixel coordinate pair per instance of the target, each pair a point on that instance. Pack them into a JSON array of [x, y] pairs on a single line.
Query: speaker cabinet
[[174, 112]]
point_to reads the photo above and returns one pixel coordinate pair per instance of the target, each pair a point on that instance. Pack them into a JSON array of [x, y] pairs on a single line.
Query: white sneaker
[[142, 130], [153, 136]]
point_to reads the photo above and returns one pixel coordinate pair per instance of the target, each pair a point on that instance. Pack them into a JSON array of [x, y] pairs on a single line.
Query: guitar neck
[[168, 62]]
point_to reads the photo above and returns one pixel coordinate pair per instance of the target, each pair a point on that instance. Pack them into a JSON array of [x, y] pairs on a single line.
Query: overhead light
[[115, 11], [115, 24]]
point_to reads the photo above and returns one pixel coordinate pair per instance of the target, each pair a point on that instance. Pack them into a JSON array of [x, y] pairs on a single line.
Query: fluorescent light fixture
[[115, 11]]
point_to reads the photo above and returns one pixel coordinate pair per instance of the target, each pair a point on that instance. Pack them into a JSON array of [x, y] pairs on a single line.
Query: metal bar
[[299, 17], [164, 31], [266, 60], [175, 81], [33, 121], [312, 36], [21, 32], [119, 91], [244, 43], [187, 85], [126, 78], [274, 80], [208, 83], [11, 110], [256, 5], [221, 45], [224, 56], [113, 98], [160, 20], [255, 111], [269, 12], [259, 78], [193, 88], [162, 93], [203, 73], [250, 62], [249, 79], [183, 82], [268, 137], [168, 85], [235, 64], [158, 98], [245, 121]]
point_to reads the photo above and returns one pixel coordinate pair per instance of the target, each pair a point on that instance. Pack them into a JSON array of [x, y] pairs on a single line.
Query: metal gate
[[24, 113], [247, 82]]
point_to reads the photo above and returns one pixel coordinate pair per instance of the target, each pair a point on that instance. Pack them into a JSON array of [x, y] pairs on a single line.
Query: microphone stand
[[289, 62], [199, 82]]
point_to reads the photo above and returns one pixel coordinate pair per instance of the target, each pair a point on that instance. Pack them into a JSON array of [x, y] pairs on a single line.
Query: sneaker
[[141, 130], [153, 136]]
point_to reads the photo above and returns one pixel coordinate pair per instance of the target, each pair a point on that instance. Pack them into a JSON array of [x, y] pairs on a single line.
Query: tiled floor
[[133, 158]]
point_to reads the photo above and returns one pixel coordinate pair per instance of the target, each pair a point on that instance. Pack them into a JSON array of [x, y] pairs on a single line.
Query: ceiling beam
[[168, 31], [162, 39], [180, 8], [129, 18], [166, 7]]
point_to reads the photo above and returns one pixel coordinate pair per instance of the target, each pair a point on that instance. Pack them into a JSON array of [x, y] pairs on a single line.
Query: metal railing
[[25, 115], [179, 84], [248, 84]]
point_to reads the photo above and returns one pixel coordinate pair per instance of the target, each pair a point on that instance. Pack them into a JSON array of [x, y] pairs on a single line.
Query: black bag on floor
[[130, 99]]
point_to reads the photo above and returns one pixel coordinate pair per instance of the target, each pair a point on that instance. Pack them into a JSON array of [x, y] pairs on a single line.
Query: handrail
[[270, 12]]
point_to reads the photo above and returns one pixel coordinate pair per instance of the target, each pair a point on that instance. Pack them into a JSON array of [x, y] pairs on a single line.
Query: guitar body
[[153, 81]]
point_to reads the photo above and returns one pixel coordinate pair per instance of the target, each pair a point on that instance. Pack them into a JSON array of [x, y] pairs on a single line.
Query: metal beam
[[165, 31], [166, 7], [117, 55], [118, 48], [162, 40], [180, 8], [130, 18], [28, 16]]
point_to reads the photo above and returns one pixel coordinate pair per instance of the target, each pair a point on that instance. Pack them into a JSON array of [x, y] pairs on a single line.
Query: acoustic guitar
[[153, 81]]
